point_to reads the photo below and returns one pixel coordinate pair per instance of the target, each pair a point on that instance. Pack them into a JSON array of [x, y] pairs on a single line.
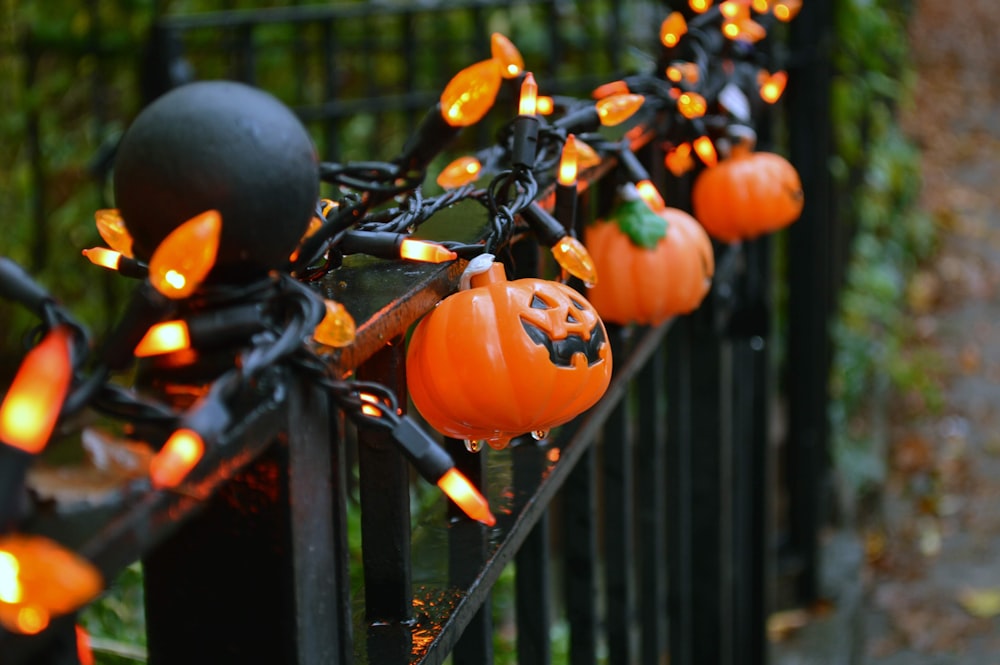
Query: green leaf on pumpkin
[[643, 226]]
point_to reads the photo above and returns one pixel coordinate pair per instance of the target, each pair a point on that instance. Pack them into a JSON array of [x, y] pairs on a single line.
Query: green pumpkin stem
[[636, 220]]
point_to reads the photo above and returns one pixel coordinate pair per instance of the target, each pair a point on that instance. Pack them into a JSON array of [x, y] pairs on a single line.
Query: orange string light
[[772, 86], [617, 109], [470, 93], [568, 166], [424, 251], [465, 495], [29, 412], [705, 149], [111, 227], [185, 257], [528, 103], [507, 56], [182, 451], [672, 29], [165, 337]]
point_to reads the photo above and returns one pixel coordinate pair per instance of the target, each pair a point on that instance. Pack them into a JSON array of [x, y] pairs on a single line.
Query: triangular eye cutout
[[577, 304], [538, 303]]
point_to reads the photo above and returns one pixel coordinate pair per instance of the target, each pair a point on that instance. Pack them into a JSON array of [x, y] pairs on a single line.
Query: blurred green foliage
[[878, 173]]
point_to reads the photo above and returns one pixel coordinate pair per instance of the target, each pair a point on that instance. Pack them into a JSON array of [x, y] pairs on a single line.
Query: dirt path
[[933, 578]]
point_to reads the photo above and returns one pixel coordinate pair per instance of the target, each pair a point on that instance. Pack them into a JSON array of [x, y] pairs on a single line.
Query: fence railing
[[647, 527]]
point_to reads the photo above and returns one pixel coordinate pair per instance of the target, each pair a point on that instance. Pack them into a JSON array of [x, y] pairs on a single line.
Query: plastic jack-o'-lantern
[[653, 265], [504, 358], [747, 194]]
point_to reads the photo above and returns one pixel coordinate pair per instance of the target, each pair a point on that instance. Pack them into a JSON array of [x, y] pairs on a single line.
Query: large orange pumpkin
[[504, 358], [747, 194], [648, 277]]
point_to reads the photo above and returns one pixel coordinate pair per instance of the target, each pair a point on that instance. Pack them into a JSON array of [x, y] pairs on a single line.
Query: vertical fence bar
[[750, 387], [321, 583], [580, 559], [241, 581], [533, 596], [466, 555], [580, 562], [619, 523], [385, 521], [810, 289], [652, 502]]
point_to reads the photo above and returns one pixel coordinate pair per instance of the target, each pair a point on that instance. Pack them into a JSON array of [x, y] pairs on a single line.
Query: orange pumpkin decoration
[[748, 194], [504, 358], [648, 276]]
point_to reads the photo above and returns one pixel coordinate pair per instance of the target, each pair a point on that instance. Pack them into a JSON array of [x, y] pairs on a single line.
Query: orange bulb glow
[[586, 156], [337, 328], [507, 55], [731, 9], [706, 151], [574, 258], [545, 105], [679, 160], [460, 172], [368, 407], [568, 163], [104, 257], [185, 257], [772, 86], [691, 105], [111, 227], [672, 29], [465, 495], [617, 109], [48, 580], [609, 89], [165, 337], [182, 451], [744, 28], [786, 10], [649, 194], [760, 6], [32, 620], [427, 252], [29, 412], [528, 103], [699, 6], [11, 589], [470, 93]]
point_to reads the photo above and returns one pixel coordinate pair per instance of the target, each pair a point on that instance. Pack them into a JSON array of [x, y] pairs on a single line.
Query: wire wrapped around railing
[[220, 218]]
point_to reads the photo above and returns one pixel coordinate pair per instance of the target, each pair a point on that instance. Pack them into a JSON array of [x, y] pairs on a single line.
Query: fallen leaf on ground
[[981, 603]]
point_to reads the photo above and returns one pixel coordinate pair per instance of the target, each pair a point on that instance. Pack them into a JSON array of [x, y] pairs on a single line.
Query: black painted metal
[[467, 552], [253, 546], [810, 290], [385, 521], [651, 508], [532, 587], [580, 559], [619, 523]]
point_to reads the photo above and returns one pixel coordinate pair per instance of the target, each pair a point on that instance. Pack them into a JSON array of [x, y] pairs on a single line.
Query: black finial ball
[[219, 145]]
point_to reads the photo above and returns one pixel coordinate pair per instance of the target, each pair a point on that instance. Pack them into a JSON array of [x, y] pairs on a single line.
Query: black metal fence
[[659, 525]]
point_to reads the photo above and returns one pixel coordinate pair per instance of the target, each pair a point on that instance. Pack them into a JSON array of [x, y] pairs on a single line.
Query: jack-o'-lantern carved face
[[506, 358], [565, 326]]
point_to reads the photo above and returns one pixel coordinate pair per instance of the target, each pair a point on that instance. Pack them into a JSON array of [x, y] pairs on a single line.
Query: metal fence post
[[811, 290]]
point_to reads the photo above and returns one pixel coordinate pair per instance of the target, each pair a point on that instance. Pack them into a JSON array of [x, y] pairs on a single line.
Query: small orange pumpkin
[[747, 194], [504, 358], [648, 276]]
